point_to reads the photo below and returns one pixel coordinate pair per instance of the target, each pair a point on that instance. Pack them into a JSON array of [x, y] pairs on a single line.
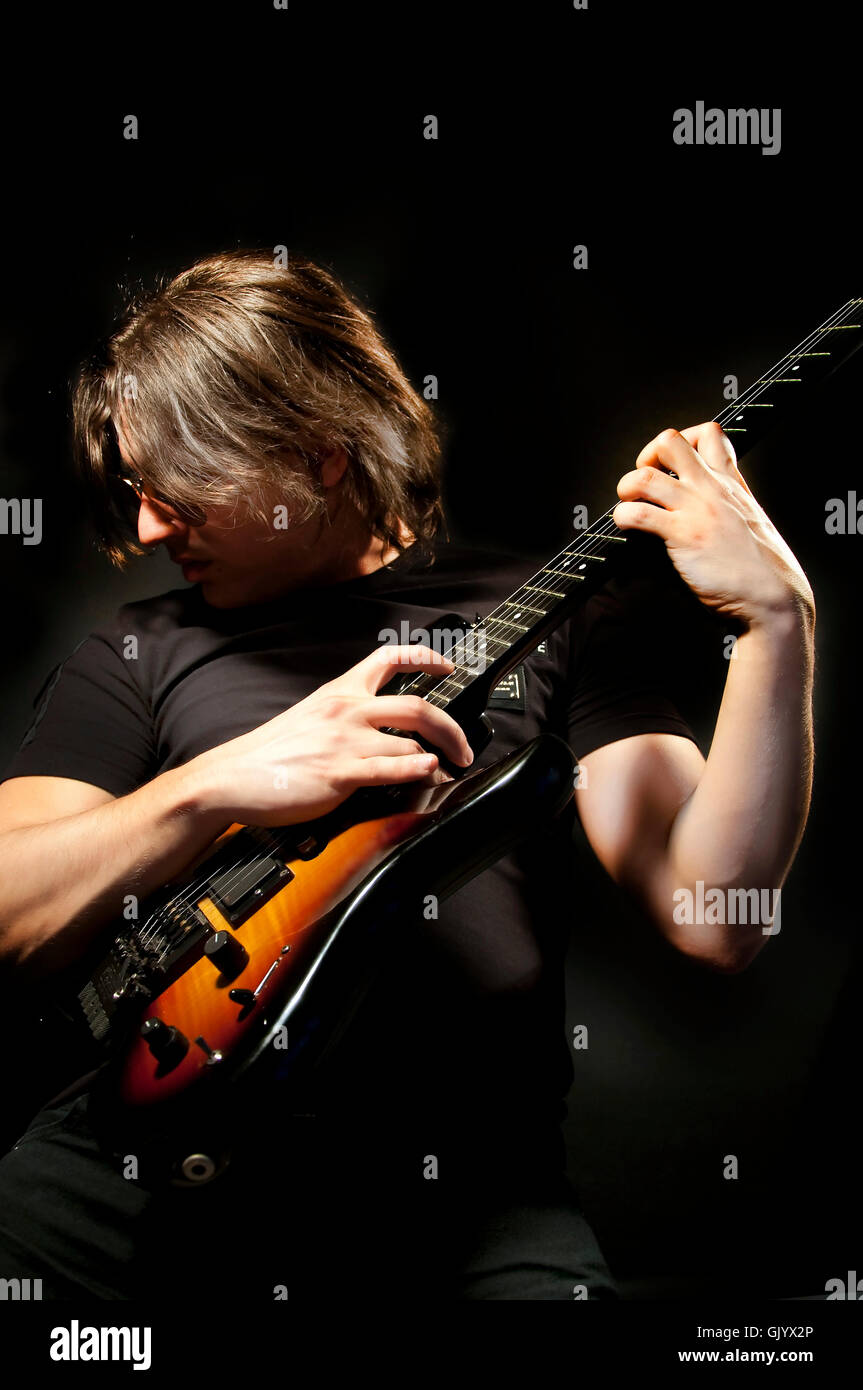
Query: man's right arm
[[70, 852]]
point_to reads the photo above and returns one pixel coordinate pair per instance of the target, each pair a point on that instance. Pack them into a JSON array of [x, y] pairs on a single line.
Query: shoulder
[[458, 574], [175, 608], [105, 651], [155, 617]]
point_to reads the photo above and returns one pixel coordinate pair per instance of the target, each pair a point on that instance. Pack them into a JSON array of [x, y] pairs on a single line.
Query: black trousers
[[309, 1215]]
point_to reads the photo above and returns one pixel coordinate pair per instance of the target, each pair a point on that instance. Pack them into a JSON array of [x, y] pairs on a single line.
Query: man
[[266, 436]]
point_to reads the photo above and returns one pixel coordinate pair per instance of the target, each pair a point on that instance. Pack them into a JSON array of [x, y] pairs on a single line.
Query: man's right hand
[[306, 760], [71, 852]]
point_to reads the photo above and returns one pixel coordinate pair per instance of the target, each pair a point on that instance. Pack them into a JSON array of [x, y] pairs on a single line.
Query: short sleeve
[[617, 685], [91, 722]]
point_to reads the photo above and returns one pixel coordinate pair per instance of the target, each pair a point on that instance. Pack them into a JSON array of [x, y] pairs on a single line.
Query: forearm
[[60, 882], [742, 824]]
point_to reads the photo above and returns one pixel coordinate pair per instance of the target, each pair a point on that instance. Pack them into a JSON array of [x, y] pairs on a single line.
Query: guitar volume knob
[[227, 953], [167, 1044]]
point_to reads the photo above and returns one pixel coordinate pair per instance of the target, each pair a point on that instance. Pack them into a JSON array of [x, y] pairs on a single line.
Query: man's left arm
[[659, 817]]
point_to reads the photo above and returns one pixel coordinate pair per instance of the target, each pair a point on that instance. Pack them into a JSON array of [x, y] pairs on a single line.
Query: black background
[[305, 128]]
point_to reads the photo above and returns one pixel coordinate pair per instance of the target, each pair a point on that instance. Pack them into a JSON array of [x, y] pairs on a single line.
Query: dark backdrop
[[305, 128]]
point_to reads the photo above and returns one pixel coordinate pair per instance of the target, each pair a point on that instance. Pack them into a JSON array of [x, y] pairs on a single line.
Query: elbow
[[10, 947], [22, 950], [722, 927], [721, 955], [727, 962], [13, 951]]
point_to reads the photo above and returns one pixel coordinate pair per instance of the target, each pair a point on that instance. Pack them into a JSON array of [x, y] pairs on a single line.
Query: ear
[[333, 465]]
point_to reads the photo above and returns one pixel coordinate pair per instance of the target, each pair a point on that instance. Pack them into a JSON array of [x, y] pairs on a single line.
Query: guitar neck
[[497, 644]]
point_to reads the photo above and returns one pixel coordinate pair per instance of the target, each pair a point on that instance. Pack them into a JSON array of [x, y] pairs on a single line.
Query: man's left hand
[[719, 539]]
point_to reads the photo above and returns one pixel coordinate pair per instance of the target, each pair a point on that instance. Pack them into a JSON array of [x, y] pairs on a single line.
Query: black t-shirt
[[463, 1034]]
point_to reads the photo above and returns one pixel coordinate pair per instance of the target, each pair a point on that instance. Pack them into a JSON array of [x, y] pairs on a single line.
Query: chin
[[225, 595], [218, 595], [217, 599]]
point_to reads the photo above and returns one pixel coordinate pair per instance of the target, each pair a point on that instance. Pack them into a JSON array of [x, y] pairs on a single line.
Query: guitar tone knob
[[227, 953], [167, 1044]]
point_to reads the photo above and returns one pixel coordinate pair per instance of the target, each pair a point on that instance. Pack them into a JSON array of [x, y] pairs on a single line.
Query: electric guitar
[[248, 970]]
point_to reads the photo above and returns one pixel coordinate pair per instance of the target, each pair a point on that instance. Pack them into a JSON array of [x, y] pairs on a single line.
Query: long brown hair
[[230, 381]]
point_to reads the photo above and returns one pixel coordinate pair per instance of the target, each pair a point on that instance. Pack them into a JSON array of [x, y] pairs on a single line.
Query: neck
[[341, 548], [349, 550]]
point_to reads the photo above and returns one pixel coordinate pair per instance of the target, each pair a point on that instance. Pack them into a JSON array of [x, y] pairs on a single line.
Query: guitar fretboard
[[517, 625]]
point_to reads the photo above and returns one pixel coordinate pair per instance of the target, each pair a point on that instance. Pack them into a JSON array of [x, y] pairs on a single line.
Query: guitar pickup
[[238, 893]]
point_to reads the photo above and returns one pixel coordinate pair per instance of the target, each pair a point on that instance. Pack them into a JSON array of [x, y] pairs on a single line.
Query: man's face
[[237, 563]]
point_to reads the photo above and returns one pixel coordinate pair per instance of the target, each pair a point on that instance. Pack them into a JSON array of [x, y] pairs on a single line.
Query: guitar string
[[275, 838]]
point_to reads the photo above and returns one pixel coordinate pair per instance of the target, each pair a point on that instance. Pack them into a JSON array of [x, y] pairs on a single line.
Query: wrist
[[788, 618], [196, 791]]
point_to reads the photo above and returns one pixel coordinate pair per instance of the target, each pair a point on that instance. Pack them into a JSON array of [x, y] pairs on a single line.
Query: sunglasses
[[131, 485]]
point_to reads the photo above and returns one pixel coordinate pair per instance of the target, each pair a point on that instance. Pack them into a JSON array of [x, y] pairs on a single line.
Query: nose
[[156, 524]]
